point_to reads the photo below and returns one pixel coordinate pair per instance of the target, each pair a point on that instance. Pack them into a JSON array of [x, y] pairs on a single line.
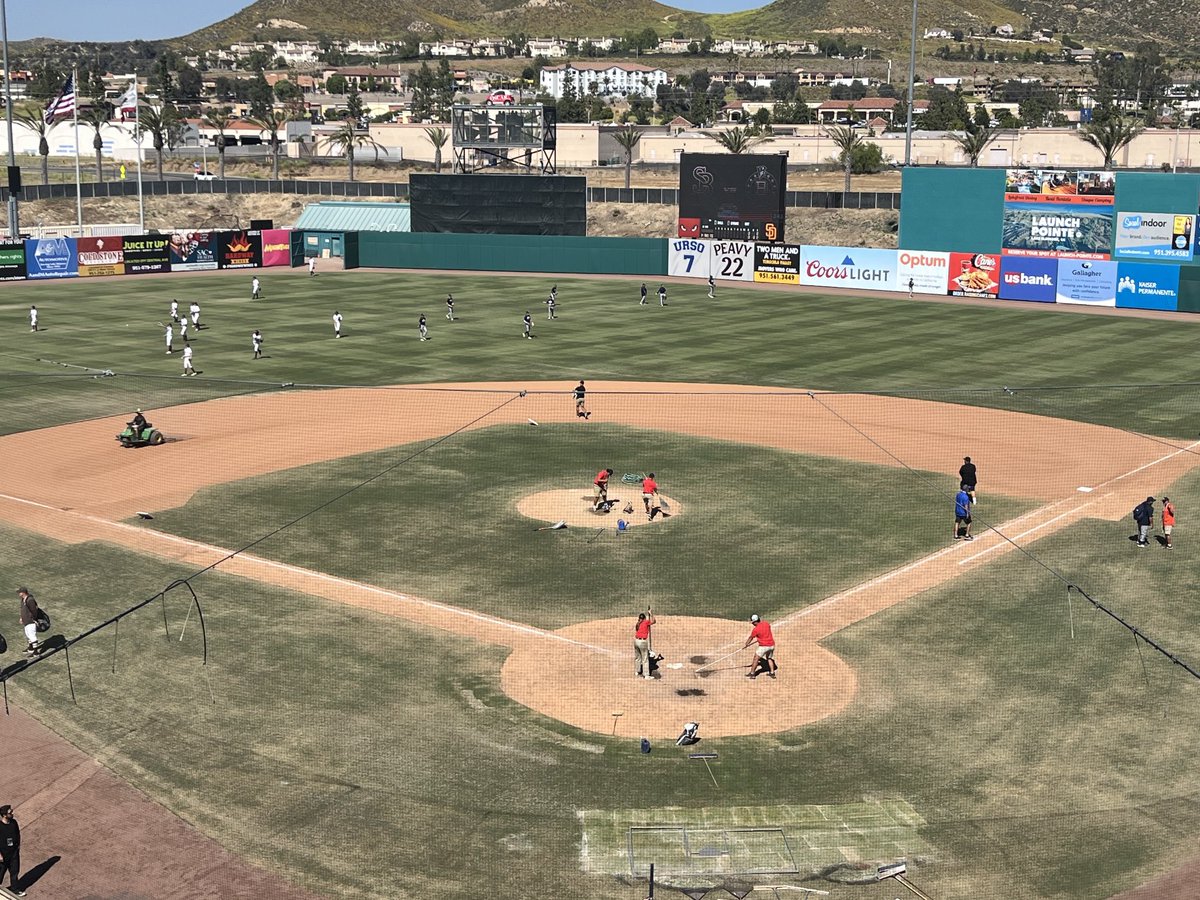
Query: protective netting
[[365, 566]]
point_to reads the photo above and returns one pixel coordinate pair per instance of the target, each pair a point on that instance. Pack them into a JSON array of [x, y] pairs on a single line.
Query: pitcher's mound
[[574, 506]]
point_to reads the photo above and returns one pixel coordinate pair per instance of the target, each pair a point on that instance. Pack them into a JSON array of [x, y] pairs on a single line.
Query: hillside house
[[609, 79]]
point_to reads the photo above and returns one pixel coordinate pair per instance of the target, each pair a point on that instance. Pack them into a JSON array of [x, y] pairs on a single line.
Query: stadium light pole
[[912, 76], [14, 226]]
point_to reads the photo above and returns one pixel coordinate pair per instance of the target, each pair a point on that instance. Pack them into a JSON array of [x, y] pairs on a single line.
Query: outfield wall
[[1128, 283]]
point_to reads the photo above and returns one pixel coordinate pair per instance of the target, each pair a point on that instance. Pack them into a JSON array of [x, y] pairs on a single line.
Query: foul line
[[1038, 527], [320, 576]]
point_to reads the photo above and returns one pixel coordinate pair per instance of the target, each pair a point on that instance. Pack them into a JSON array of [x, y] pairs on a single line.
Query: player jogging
[[528, 322], [551, 303], [256, 343], [337, 324], [422, 328], [662, 295], [580, 395], [764, 655], [450, 307], [712, 287], [643, 303]]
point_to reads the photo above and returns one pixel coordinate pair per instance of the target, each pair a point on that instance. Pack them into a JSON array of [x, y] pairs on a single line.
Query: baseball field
[[347, 654]]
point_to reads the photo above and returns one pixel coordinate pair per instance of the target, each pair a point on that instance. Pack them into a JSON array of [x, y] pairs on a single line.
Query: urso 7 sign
[[689, 258]]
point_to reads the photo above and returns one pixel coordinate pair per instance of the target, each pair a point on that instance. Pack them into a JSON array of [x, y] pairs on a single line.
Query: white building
[[739, 47], [673, 45], [446, 48], [610, 79], [552, 48]]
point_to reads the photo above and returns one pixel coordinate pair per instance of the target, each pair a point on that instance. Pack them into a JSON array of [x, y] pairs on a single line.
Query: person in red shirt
[[600, 488], [641, 644], [1168, 520], [764, 655], [650, 495]]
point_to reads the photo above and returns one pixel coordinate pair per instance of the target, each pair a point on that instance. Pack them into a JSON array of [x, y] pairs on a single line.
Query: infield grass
[[761, 530], [747, 336]]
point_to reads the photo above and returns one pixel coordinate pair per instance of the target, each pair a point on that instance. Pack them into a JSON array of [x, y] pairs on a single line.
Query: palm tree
[[847, 140], [96, 117], [348, 138], [438, 137], [31, 117], [628, 137], [1110, 136], [974, 141], [219, 119], [271, 123], [736, 140], [158, 123]]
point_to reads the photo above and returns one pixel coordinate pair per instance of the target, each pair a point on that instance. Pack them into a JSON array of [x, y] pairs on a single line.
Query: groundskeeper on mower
[[146, 435]]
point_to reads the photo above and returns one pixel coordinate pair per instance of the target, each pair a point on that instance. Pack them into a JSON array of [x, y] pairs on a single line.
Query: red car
[[500, 98]]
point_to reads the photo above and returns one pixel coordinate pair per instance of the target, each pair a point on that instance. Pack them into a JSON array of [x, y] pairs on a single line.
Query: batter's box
[[677, 850]]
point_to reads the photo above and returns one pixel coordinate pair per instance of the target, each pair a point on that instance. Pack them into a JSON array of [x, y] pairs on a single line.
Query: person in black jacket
[[10, 850], [1143, 514], [968, 478], [29, 616]]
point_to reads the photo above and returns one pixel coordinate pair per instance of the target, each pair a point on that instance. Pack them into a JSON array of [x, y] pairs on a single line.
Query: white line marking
[[1084, 490], [1192, 446], [321, 576], [1005, 542]]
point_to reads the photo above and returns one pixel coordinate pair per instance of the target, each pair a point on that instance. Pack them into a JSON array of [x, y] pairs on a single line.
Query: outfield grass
[[747, 336], [1043, 765], [762, 530]]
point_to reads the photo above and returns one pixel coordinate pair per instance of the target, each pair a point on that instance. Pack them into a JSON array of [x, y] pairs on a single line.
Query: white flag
[[129, 100]]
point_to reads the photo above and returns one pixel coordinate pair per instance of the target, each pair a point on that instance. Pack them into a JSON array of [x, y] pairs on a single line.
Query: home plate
[[1084, 490]]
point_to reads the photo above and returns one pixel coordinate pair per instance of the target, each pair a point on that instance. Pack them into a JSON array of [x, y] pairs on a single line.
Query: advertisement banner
[[146, 253], [733, 260], [193, 251], [689, 258], [1078, 187], [12, 261], [239, 249], [1092, 282], [100, 256], [974, 275], [927, 271], [1046, 229], [277, 247], [1154, 236], [777, 263], [1027, 278], [849, 267], [51, 258], [1147, 286]]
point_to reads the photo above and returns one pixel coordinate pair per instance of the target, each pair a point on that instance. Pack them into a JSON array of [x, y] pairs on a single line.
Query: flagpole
[[75, 114], [137, 130]]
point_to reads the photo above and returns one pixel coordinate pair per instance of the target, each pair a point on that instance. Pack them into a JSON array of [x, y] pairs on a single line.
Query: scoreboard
[[732, 196]]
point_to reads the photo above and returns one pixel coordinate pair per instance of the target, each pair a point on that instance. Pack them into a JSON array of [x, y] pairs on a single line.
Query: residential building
[[673, 45], [608, 79], [447, 48], [740, 46], [551, 48], [842, 111], [363, 77]]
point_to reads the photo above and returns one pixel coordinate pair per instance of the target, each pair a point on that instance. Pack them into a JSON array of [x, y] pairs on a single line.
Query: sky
[[122, 20]]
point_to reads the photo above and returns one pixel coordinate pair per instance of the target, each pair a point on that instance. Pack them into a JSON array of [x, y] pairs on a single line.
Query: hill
[[384, 19], [871, 22]]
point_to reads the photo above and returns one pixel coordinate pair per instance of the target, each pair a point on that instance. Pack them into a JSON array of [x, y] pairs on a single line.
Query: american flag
[[63, 104]]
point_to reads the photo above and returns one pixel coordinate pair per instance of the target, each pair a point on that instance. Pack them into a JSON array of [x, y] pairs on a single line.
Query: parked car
[[500, 98], [204, 175]]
